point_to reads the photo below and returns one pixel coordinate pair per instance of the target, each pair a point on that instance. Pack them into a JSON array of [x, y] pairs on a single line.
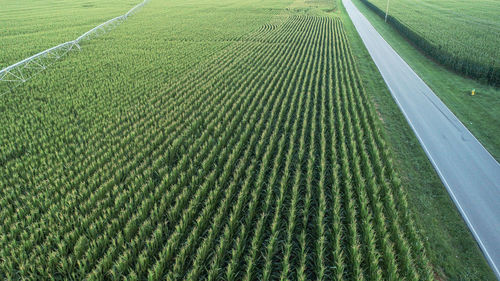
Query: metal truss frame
[[22, 71]]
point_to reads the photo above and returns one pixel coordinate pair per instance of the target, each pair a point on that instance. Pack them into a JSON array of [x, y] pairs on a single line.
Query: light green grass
[[452, 249]]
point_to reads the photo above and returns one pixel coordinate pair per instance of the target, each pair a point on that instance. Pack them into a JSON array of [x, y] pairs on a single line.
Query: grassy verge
[[479, 113], [450, 245]]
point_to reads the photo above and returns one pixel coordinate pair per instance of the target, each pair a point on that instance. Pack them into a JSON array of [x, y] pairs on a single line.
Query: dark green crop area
[[228, 140], [479, 113], [462, 35]]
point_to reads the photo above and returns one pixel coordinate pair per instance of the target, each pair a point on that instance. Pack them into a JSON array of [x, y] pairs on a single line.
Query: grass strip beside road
[[452, 250], [479, 113]]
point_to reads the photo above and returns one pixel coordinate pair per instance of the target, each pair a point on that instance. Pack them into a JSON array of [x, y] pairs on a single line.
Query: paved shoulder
[[470, 174]]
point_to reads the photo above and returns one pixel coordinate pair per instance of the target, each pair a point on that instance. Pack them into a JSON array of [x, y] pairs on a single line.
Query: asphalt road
[[469, 172]]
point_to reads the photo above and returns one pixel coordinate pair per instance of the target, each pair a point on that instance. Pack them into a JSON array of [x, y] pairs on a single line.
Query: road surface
[[469, 172]]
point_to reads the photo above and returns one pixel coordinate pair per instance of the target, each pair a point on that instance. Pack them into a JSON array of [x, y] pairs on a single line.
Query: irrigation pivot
[[13, 75]]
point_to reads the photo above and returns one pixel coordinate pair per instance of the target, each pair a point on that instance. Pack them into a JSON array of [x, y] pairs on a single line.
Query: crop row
[[266, 163], [459, 37]]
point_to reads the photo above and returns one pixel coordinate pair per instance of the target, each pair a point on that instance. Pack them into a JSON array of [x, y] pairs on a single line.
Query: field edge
[[452, 250]]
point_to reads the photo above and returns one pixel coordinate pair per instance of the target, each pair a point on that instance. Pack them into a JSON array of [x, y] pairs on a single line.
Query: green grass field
[[175, 147], [462, 35]]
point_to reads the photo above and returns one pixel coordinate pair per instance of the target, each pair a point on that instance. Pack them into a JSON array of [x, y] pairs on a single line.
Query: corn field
[[29, 29], [265, 164], [461, 35]]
